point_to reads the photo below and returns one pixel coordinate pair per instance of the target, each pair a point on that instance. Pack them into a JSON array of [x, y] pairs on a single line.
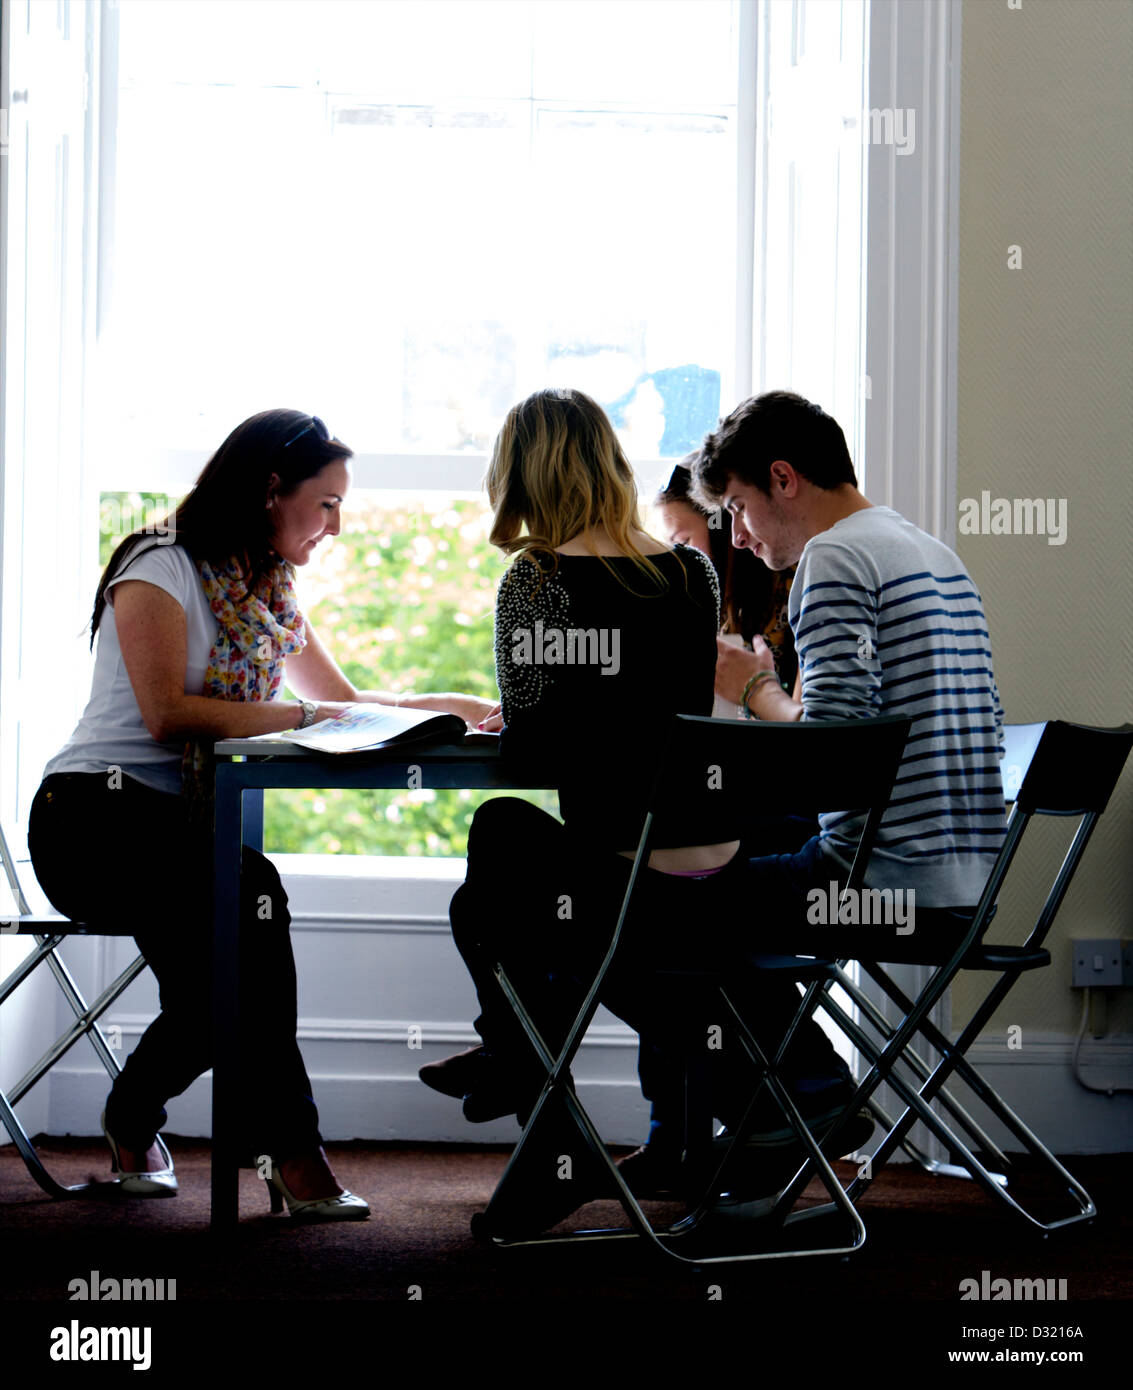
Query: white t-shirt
[[112, 731]]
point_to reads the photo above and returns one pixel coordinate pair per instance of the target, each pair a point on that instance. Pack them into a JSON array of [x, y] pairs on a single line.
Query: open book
[[373, 726]]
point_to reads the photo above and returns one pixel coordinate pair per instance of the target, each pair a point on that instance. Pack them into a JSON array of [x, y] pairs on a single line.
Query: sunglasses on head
[[316, 425]]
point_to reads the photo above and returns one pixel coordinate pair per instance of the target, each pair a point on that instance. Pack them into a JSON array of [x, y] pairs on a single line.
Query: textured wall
[[1046, 410]]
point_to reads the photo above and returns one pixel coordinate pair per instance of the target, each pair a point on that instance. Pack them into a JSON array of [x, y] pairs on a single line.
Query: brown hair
[[747, 586], [225, 515], [776, 425]]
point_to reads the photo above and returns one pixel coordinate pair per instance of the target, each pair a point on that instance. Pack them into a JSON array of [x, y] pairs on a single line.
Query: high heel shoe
[[159, 1183], [343, 1207]]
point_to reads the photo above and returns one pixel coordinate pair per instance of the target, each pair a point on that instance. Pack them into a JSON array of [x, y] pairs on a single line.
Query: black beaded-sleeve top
[[593, 658]]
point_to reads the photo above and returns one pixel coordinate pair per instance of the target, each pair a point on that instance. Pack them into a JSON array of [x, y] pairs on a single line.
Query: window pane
[[407, 216], [404, 598]]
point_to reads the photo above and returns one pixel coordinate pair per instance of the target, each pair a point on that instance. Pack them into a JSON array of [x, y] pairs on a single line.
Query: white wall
[[360, 943]]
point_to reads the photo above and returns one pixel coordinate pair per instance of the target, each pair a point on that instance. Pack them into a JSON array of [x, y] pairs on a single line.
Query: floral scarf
[[259, 629]]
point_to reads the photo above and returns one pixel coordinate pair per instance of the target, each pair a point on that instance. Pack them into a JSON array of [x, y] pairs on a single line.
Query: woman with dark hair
[[753, 599], [196, 622]]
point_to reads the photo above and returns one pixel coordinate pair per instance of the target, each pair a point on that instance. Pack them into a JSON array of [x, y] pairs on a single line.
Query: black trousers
[[544, 903], [107, 849]]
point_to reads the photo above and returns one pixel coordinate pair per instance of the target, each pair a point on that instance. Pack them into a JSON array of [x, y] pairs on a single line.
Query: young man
[[885, 620]]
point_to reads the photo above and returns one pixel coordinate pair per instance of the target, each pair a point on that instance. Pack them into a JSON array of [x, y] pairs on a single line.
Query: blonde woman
[[603, 633]]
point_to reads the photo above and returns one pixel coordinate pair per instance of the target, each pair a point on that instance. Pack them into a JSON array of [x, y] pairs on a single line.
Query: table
[[245, 768]]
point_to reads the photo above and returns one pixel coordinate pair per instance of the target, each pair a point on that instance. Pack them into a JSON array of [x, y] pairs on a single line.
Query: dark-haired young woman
[[196, 623], [753, 603], [753, 599]]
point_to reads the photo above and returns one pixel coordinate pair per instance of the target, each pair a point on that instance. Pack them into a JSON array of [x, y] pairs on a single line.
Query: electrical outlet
[[1102, 963]]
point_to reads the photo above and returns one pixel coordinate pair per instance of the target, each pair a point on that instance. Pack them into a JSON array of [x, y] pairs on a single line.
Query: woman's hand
[[493, 722], [735, 667], [330, 711], [472, 709]]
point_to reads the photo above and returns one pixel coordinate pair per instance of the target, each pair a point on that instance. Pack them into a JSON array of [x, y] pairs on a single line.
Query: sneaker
[[818, 1107], [768, 1162]]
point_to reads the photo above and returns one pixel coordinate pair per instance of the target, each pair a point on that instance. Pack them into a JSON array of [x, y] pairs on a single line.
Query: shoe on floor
[[763, 1168], [819, 1108], [142, 1182], [543, 1195], [653, 1175]]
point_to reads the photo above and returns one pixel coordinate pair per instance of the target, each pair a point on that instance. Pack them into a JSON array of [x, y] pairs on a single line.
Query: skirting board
[[378, 1109], [1036, 1082]]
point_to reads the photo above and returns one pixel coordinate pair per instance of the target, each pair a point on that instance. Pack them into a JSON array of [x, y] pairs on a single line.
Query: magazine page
[[370, 726]]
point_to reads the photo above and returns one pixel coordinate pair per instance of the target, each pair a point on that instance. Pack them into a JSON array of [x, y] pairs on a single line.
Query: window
[[340, 211], [407, 216], [213, 208]]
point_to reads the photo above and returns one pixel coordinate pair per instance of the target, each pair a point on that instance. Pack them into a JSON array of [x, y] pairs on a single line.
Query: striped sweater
[[888, 621]]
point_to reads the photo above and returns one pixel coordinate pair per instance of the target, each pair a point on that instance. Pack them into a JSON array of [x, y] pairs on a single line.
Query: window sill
[[371, 866]]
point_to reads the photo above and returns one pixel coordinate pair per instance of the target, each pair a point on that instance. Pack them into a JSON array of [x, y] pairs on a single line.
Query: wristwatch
[[310, 709]]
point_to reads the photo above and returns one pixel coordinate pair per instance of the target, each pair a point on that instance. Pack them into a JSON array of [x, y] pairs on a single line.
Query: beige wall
[[1046, 410]]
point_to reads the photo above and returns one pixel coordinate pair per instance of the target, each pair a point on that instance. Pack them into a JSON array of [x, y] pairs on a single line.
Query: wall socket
[[1102, 963]]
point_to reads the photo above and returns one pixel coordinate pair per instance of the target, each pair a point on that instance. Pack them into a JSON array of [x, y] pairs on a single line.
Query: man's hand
[[735, 667]]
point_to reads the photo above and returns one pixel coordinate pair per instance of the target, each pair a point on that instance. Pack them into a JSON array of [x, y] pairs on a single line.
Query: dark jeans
[[544, 903], [768, 837], [127, 856]]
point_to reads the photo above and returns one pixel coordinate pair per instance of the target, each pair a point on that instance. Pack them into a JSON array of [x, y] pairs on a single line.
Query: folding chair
[[847, 765], [1068, 771], [1020, 741], [50, 930]]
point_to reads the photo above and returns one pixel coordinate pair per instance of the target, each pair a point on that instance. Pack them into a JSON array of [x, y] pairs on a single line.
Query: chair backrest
[[1020, 742], [1074, 769], [722, 769]]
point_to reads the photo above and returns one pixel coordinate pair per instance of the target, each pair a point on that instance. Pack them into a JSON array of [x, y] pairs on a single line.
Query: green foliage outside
[[403, 597]]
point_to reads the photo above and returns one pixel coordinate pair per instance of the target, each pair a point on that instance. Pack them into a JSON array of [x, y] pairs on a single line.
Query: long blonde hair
[[556, 469]]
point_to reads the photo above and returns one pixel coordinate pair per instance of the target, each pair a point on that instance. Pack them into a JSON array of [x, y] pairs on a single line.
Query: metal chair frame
[[852, 761], [1072, 772], [50, 931]]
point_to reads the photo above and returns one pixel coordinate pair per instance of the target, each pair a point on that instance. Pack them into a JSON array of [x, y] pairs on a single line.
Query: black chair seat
[[1007, 958], [29, 925], [798, 967]]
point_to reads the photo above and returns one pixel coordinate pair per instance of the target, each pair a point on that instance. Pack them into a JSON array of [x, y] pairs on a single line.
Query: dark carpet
[[925, 1235]]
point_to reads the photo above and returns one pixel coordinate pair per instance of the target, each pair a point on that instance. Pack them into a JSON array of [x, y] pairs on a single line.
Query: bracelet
[[759, 675]]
